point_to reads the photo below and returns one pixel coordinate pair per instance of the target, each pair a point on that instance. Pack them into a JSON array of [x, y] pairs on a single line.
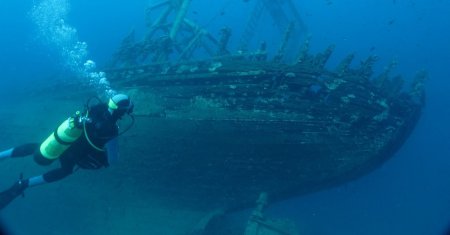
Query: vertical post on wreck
[[225, 34], [179, 19], [284, 43], [304, 50], [257, 215]]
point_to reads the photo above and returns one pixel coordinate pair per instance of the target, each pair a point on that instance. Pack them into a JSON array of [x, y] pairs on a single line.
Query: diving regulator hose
[[85, 119]]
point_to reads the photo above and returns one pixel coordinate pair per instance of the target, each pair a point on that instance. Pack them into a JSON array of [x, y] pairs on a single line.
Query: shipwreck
[[223, 121], [219, 129]]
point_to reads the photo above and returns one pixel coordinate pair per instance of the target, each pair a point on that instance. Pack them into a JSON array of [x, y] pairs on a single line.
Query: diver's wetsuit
[[94, 149], [101, 129]]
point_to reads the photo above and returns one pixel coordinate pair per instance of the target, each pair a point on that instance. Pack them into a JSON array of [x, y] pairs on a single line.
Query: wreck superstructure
[[218, 131]]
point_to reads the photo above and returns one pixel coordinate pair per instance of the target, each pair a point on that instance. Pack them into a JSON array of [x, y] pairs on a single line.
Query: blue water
[[409, 194]]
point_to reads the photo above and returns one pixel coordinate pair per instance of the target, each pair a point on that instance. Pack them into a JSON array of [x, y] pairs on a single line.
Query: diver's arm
[[112, 150]]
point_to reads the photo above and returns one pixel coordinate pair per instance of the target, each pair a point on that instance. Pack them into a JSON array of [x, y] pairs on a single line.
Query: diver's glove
[[18, 187], [14, 191]]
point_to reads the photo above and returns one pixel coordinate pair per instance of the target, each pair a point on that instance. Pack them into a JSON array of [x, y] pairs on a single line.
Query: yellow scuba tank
[[59, 141]]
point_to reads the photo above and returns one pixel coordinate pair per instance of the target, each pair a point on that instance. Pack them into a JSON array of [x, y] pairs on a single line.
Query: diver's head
[[119, 105]]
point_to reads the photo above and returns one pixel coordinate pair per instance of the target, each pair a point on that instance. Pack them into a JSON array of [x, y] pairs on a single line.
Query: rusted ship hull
[[218, 133]]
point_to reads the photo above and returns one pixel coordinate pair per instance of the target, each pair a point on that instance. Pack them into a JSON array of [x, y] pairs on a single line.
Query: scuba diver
[[86, 140]]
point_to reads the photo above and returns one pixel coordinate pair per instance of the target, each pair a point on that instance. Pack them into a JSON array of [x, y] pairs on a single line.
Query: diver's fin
[[9, 195]]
